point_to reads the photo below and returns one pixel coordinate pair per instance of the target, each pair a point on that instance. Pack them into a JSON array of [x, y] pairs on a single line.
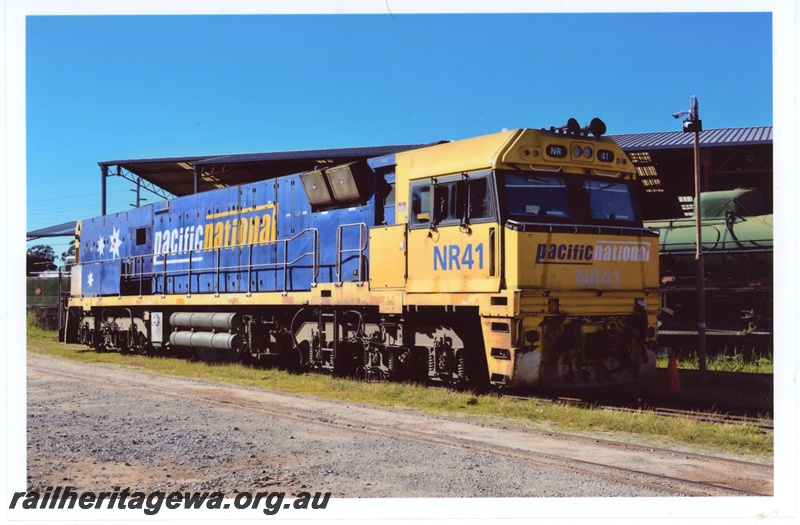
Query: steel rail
[[766, 424]]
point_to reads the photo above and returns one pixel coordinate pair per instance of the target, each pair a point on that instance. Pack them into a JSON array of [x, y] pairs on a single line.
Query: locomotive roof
[[176, 175]]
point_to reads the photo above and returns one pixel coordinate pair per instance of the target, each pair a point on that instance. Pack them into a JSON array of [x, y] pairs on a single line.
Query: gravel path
[[97, 435]]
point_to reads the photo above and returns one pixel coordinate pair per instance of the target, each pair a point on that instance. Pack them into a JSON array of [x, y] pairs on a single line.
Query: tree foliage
[[40, 259], [42, 251], [70, 250]]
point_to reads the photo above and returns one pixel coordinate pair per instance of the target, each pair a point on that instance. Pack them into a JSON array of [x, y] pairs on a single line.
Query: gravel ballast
[[96, 435]]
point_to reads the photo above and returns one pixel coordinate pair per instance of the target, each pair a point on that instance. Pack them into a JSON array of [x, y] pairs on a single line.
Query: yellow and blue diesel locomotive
[[517, 259]]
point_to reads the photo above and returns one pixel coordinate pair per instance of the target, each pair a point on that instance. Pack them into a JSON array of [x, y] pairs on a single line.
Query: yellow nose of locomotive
[[583, 310]]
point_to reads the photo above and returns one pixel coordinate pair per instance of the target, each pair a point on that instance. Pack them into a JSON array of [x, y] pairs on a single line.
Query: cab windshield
[[573, 199]]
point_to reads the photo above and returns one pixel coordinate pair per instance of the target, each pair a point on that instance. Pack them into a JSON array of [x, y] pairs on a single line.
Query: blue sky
[[117, 87]]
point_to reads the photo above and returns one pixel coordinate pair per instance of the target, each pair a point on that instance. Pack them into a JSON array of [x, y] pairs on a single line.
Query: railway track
[[698, 411], [765, 424], [663, 406], [701, 412], [674, 472]]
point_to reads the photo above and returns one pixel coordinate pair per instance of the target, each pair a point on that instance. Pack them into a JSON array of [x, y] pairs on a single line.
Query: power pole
[[693, 124]]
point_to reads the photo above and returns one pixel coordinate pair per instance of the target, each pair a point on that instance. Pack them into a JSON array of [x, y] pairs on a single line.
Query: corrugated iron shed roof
[[309, 155], [710, 137], [176, 174], [66, 229]]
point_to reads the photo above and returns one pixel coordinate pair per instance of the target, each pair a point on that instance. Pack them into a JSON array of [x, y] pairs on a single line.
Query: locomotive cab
[[545, 241]]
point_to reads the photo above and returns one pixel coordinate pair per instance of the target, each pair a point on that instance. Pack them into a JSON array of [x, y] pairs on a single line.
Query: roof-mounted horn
[[570, 128], [596, 127]]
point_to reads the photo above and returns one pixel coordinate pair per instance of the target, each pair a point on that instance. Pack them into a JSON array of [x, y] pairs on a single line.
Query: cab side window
[[451, 202], [441, 203], [477, 199], [421, 204]]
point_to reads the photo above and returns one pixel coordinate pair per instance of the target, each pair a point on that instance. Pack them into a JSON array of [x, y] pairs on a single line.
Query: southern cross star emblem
[[90, 279], [115, 243], [101, 245]]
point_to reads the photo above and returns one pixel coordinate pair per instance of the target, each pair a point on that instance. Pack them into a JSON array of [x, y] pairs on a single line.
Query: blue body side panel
[[259, 237], [105, 244]]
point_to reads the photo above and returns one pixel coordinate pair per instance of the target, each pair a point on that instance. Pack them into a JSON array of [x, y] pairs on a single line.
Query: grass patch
[[37, 328], [721, 363], [657, 430]]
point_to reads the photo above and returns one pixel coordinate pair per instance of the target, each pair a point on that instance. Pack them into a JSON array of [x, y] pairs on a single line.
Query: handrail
[[363, 242], [133, 267], [551, 227]]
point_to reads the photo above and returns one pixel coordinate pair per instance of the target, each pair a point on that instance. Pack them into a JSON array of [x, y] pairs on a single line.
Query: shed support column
[[196, 178], [103, 177]]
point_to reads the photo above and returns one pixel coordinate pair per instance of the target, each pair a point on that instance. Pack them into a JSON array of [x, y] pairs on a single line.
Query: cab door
[[454, 235]]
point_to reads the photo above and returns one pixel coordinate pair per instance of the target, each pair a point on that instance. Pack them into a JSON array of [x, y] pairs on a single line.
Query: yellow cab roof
[[515, 149]]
